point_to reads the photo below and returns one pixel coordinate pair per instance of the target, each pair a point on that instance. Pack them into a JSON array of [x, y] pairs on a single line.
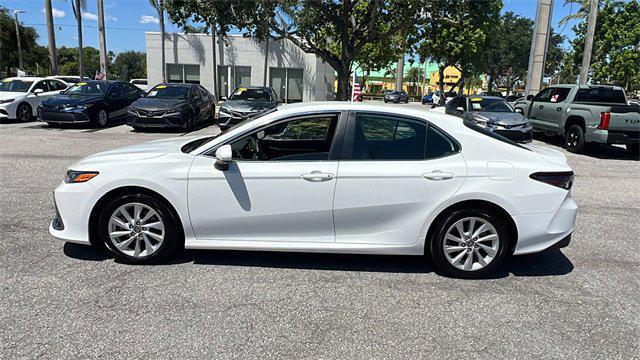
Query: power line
[[93, 27]]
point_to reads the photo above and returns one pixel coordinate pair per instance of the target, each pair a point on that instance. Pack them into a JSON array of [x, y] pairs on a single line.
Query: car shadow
[[596, 150], [88, 127], [551, 262], [196, 127]]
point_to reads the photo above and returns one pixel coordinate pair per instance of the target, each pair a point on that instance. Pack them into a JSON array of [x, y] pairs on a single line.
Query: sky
[[128, 20]]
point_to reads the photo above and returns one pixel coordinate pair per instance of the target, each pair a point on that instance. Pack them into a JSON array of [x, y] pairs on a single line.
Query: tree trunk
[[80, 49], [266, 60], [441, 84], [53, 57], [343, 83], [162, 55], [490, 83], [400, 73]]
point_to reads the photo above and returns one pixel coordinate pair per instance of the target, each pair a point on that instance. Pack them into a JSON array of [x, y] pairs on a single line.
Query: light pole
[[15, 15]]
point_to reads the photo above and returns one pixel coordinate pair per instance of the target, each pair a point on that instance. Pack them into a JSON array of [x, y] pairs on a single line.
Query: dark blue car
[[427, 99]]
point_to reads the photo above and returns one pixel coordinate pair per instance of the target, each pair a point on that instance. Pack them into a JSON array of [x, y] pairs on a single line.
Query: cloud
[[111, 18], [89, 16], [148, 19], [57, 13]]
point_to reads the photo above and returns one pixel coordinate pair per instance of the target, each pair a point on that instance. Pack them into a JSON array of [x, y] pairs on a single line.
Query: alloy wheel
[[24, 113], [102, 118], [572, 139], [136, 230], [471, 243]]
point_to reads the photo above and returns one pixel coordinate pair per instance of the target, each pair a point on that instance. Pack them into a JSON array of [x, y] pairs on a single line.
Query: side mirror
[[37, 91], [519, 111], [460, 110], [530, 97], [224, 98], [224, 155], [62, 91]]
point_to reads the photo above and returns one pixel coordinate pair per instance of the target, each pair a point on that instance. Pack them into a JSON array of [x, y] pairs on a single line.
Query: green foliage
[[68, 61], [32, 53], [129, 65], [615, 59]]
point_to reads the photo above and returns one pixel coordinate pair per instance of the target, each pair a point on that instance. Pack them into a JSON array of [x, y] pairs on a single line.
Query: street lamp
[[15, 15]]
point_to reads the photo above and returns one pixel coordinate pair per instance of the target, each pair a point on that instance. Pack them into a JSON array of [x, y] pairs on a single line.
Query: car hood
[[153, 104], [502, 118], [70, 100], [146, 150], [11, 94], [248, 106]]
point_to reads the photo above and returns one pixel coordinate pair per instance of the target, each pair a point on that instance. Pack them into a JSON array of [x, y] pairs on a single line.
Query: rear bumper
[[615, 137], [537, 232]]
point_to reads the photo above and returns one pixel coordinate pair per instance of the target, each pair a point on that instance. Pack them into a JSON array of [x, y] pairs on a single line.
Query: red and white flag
[[356, 91]]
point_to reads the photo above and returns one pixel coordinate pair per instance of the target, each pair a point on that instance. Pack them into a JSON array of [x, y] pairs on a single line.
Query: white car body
[[11, 100], [140, 84], [367, 206], [69, 79]]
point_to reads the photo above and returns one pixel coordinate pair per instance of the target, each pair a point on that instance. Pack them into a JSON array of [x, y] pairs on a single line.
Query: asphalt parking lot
[[69, 301]]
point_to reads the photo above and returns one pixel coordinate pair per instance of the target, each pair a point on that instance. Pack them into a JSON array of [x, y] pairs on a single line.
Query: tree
[[78, 6], [414, 75], [33, 54], [130, 65], [615, 59], [454, 33], [69, 62], [159, 6]]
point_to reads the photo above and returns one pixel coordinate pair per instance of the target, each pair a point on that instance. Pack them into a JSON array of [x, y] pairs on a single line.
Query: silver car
[[492, 113]]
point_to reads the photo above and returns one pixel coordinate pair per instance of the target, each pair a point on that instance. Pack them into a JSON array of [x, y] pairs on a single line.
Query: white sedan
[[20, 96], [325, 177]]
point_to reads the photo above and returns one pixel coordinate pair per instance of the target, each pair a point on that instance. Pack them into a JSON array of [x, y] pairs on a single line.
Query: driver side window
[[299, 139], [544, 95]]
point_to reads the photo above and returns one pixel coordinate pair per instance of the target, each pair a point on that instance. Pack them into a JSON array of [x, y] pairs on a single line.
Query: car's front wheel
[[23, 112], [138, 229], [102, 118], [469, 243]]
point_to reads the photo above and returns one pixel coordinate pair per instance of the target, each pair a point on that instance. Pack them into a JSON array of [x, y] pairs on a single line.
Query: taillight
[[605, 117], [560, 179]]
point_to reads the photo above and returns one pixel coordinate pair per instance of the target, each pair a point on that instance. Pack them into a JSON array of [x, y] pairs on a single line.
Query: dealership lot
[[62, 300]]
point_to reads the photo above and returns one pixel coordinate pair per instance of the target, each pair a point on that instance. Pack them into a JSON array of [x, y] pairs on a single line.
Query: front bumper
[[172, 120], [73, 116], [615, 137], [73, 204], [521, 135], [540, 231]]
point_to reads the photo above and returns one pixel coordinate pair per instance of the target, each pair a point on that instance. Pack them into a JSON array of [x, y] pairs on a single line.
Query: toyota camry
[[325, 177]]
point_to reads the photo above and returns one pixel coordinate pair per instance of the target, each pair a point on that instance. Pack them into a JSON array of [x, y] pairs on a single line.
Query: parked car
[[396, 97], [20, 96], [512, 98], [493, 114], [325, 177], [172, 105], [584, 114], [494, 93], [69, 79], [427, 98], [246, 102], [97, 102], [142, 84], [437, 101]]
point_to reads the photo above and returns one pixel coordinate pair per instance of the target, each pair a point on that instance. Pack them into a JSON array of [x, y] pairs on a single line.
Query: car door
[[55, 87], [551, 113], [200, 103], [537, 112], [117, 101], [394, 172], [279, 186], [35, 100]]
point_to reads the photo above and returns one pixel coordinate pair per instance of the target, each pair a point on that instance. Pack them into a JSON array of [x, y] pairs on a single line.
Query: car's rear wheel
[[138, 229], [469, 243], [574, 139], [23, 112]]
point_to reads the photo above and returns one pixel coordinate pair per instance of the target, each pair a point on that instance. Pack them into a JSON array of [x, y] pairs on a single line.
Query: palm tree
[[52, 37], [414, 76], [78, 6], [159, 6]]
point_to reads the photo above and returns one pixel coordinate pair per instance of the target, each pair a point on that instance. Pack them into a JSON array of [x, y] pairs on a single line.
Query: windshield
[[15, 85], [168, 92], [490, 105], [88, 89], [251, 94]]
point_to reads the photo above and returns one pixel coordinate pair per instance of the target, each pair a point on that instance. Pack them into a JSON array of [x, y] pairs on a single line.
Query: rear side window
[[600, 95], [438, 144], [385, 137], [560, 95]]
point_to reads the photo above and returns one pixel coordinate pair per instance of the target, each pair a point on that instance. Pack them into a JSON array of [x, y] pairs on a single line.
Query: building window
[[231, 77], [180, 73], [287, 83]]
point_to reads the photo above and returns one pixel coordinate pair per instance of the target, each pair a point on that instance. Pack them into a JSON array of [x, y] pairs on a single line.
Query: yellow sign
[[241, 89], [81, 83], [7, 80], [476, 99], [161, 86]]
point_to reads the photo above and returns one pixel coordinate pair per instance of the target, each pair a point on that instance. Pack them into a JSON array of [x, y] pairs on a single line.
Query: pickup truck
[[584, 114]]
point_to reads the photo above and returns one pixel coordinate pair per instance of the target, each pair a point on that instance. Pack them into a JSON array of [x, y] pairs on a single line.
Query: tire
[[52, 124], [24, 112], [574, 139], [492, 249], [385, 101], [101, 118], [160, 244], [633, 149], [406, 101]]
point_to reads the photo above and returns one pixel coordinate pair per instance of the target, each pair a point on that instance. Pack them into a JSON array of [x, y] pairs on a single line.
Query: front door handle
[[540, 106], [558, 109], [317, 176], [438, 175]]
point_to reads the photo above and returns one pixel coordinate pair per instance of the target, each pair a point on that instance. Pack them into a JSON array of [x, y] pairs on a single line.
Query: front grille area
[[149, 113]]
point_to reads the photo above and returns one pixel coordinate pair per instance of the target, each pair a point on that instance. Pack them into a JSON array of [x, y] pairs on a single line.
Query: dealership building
[[295, 75]]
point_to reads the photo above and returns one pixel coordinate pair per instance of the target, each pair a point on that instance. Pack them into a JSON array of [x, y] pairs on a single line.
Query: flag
[[356, 92], [99, 75]]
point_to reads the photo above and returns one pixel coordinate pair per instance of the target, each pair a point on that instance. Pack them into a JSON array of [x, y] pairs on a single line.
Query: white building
[[295, 75]]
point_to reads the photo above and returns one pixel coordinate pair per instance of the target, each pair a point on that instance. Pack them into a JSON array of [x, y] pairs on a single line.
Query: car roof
[[255, 87], [28, 78], [175, 84], [484, 96]]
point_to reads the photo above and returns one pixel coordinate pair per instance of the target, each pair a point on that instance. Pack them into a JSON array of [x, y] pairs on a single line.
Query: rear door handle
[[558, 109], [317, 176], [438, 175], [540, 106]]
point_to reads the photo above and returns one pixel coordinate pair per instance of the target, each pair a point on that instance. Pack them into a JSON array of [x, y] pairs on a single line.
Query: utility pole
[[20, 61], [102, 39], [588, 42], [539, 44], [78, 13], [400, 73], [51, 35]]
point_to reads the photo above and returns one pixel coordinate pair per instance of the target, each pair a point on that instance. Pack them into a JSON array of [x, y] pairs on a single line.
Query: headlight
[[79, 176], [176, 110], [225, 110], [77, 107], [481, 121], [6, 101]]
